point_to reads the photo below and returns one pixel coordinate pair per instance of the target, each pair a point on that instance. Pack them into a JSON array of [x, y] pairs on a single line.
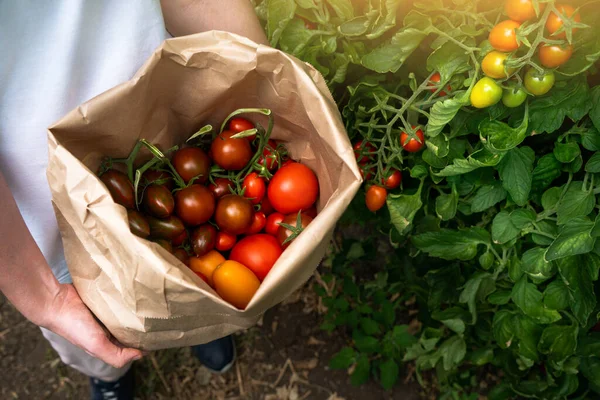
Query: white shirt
[[55, 55]]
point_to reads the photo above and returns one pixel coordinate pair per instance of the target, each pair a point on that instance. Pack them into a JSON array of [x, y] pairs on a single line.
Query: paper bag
[[143, 295]]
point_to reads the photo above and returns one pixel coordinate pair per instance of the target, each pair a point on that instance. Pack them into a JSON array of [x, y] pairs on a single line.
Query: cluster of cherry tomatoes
[[227, 211], [503, 38]]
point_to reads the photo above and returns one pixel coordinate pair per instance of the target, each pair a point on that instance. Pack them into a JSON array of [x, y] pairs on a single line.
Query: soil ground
[[284, 357]]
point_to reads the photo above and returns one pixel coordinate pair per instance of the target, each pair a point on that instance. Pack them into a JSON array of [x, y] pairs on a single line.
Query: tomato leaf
[[593, 164], [389, 372], [342, 359], [343, 8], [516, 173], [567, 152], [476, 289], [558, 342], [573, 238], [578, 275], [534, 264], [279, 14], [443, 112], [503, 328], [390, 56], [403, 209], [545, 172], [452, 245], [500, 136], [449, 59], [453, 351], [529, 300], [557, 296], [479, 159], [487, 196], [575, 203], [446, 205]]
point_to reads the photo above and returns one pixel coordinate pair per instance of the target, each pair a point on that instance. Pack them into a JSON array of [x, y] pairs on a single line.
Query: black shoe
[[217, 356], [123, 389]]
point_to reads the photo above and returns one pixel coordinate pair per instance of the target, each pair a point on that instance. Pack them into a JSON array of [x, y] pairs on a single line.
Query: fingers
[[113, 354]]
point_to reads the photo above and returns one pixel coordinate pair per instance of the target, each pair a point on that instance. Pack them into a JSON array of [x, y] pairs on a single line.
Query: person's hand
[[68, 317]]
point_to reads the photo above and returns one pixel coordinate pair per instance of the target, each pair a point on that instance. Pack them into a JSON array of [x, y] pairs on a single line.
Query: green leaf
[[514, 269], [590, 139], [369, 326], [477, 288], [279, 14], [558, 342], [550, 198], [573, 238], [567, 152], [528, 333], [355, 27], [590, 368], [549, 228], [343, 359], [442, 113], [507, 226], [595, 109], [516, 173], [448, 60], [479, 159], [446, 205], [487, 196], [571, 100], [534, 264], [362, 372], [545, 172], [593, 164], [557, 296], [389, 372], [343, 8], [365, 344], [481, 357], [529, 300], [486, 260], [452, 317], [403, 209], [450, 244], [453, 351], [575, 203], [390, 56], [402, 338], [504, 328], [500, 136], [499, 297], [578, 276], [295, 37]]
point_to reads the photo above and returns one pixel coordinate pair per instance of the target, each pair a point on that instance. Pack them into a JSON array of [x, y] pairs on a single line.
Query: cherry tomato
[[555, 22], [157, 178], [238, 125], [284, 234], [485, 93], [158, 201], [194, 205], [269, 156], [555, 56], [182, 256], [255, 188], [258, 223], [119, 187], [287, 162], [221, 187], [311, 212], [363, 151], [138, 225], [206, 264], [435, 80], [191, 162], [503, 36], [258, 253], [179, 240], [521, 10], [168, 228], [539, 84], [234, 214], [266, 206], [225, 241], [513, 96], [365, 171], [376, 196], [293, 188], [412, 145], [493, 65], [273, 221], [229, 153], [235, 283], [203, 239], [393, 180], [165, 244]]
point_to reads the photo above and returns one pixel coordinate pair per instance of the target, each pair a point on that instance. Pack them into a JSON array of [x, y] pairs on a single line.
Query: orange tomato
[[235, 283], [555, 22], [503, 37], [206, 264], [521, 10], [555, 56]]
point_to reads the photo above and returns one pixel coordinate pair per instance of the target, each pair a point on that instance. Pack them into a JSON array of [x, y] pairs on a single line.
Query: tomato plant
[[290, 227], [258, 253], [555, 21], [514, 96], [294, 187], [270, 156], [522, 10], [435, 80], [393, 180]]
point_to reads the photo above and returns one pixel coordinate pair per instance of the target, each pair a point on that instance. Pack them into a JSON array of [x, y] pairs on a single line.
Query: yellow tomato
[[493, 65], [235, 283], [485, 93]]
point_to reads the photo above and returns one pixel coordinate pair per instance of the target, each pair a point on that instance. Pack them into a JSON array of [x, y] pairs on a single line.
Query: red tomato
[[238, 124], [269, 157], [366, 172], [393, 180], [255, 188], [258, 253], [229, 153], [287, 162], [258, 223], [435, 80], [284, 234], [221, 187], [503, 37], [362, 152], [376, 196], [555, 22], [266, 206], [225, 241], [555, 55], [194, 205], [311, 212], [273, 221], [412, 145], [190, 162], [293, 188], [178, 241]]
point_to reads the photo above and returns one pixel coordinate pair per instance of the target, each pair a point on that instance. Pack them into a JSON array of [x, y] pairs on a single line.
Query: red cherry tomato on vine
[[555, 22], [269, 157], [273, 221], [521, 10], [258, 253], [362, 151], [225, 241], [293, 188], [393, 180], [229, 153], [435, 79], [375, 197], [503, 36], [283, 233], [238, 124], [191, 162], [412, 145], [266, 206], [255, 188], [555, 55], [258, 223]]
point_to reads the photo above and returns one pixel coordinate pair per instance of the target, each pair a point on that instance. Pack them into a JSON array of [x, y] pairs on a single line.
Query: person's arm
[[185, 17], [28, 283]]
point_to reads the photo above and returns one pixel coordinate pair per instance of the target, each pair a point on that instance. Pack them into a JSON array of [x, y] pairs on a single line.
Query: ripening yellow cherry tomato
[[493, 65], [485, 93]]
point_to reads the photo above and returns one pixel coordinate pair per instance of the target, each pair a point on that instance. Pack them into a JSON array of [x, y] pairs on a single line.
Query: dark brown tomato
[[120, 187], [182, 256], [221, 187], [165, 244], [203, 239], [138, 224], [283, 233], [234, 214], [158, 178], [168, 228], [230, 154], [191, 162], [158, 201], [179, 240], [194, 205]]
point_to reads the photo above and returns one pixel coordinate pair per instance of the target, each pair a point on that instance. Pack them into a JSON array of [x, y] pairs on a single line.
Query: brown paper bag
[[143, 294]]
